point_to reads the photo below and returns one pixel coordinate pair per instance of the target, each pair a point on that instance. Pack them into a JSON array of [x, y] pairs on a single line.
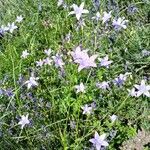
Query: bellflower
[[87, 110], [113, 118], [58, 60], [97, 17], [47, 61], [78, 11], [19, 19], [80, 88], [24, 120], [11, 27], [48, 52], [120, 23], [105, 62], [132, 92], [143, 89], [39, 63], [87, 62], [106, 16], [103, 85], [32, 81], [99, 141], [24, 54]]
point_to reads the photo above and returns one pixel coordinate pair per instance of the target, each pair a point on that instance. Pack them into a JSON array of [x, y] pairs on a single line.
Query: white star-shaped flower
[[105, 62], [87, 110], [48, 52], [24, 120], [24, 54], [106, 16], [32, 81], [48, 61], [11, 27], [97, 17], [103, 85], [19, 19], [99, 141], [80, 88], [120, 23], [78, 11], [113, 118], [39, 63], [143, 89]]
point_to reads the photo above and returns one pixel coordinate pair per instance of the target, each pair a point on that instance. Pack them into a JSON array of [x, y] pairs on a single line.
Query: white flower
[[97, 17], [39, 63], [19, 19], [24, 120], [87, 110], [58, 60], [32, 81], [103, 85], [113, 118], [99, 141], [143, 89], [78, 11], [48, 61], [120, 23], [11, 27], [105, 62], [48, 52], [132, 92], [60, 2], [106, 16], [24, 54], [80, 88], [4, 29]]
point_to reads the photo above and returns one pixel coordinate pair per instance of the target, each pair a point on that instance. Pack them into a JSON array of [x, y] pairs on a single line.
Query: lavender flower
[[120, 23], [99, 141], [78, 11], [87, 110], [97, 16], [106, 16], [58, 60], [24, 54], [24, 120], [11, 27], [143, 89], [105, 62], [103, 85], [80, 88], [39, 63], [32, 81]]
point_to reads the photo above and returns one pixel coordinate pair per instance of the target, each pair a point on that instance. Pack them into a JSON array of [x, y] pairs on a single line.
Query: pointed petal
[[80, 68], [78, 16], [71, 13], [103, 136], [85, 11], [104, 143], [82, 5]]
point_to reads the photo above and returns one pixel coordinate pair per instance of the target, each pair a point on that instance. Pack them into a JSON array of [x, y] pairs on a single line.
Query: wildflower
[[87, 62], [78, 11], [24, 54], [80, 24], [72, 124], [39, 63], [113, 118], [58, 60], [32, 81], [4, 29], [104, 62], [48, 52], [97, 17], [19, 19], [60, 2], [143, 89], [11, 27], [87, 110], [99, 141], [78, 54], [132, 92], [48, 61], [120, 80], [120, 23], [24, 120], [103, 85], [80, 88], [106, 16]]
